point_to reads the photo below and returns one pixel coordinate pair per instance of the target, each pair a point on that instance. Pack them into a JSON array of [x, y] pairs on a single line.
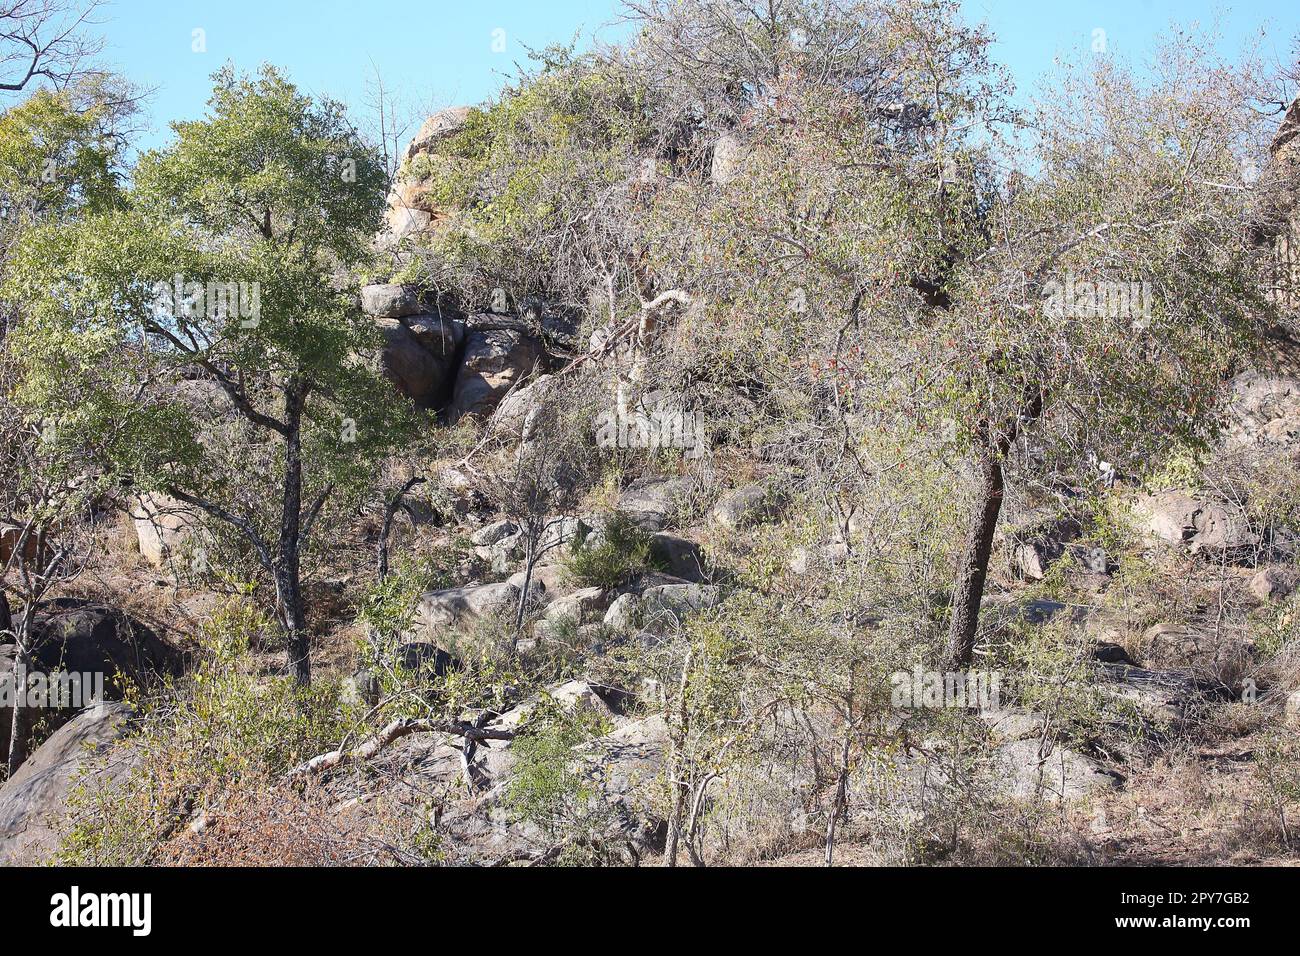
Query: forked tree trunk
[[530, 563], [973, 566]]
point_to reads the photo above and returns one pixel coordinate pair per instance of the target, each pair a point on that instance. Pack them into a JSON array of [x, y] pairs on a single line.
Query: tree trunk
[[288, 580], [675, 821], [973, 567], [530, 562], [390, 511], [18, 724], [295, 627], [841, 794], [677, 769]]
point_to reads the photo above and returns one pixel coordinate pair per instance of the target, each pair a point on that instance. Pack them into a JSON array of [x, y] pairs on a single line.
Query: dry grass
[[277, 826]]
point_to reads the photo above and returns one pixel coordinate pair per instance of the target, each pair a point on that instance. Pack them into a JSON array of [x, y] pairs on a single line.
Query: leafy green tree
[[60, 160], [203, 338], [56, 154], [1112, 287]]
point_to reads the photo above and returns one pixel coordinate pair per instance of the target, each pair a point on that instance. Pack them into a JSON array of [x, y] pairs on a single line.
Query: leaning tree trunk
[[973, 566], [288, 578], [993, 447]]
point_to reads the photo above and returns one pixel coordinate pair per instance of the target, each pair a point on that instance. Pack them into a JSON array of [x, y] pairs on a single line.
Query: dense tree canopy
[[225, 264]]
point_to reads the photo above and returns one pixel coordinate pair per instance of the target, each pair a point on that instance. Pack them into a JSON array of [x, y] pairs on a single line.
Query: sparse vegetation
[[712, 449]]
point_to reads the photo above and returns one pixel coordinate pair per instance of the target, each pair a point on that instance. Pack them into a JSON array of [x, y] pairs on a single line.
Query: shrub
[[1278, 771], [548, 788], [223, 730], [623, 552]]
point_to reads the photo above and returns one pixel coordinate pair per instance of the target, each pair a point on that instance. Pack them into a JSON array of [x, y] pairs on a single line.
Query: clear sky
[[444, 52]]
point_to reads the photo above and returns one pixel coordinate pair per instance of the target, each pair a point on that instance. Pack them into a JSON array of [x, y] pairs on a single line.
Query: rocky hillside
[[679, 475]]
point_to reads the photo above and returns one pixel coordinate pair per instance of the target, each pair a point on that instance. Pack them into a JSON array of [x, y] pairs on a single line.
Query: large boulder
[[408, 365], [420, 355], [1176, 518], [78, 637], [516, 409], [413, 209], [620, 770], [623, 613], [1262, 410], [402, 221], [653, 503], [438, 335], [584, 606], [1029, 764], [1205, 649], [164, 527], [562, 533], [625, 766], [1291, 710], [1161, 698], [572, 696], [34, 801], [439, 127], [446, 608], [494, 360], [680, 557], [1273, 583], [490, 534], [668, 605], [14, 538], [548, 583], [83, 636], [747, 506], [391, 300]]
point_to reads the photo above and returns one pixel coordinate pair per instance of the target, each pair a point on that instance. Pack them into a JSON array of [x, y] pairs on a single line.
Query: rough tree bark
[[973, 566], [18, 724], [677, 769], [992, 446], [288, 578]]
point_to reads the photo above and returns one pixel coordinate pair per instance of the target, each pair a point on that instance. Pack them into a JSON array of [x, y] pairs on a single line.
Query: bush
[[548, 788], [225, 729], [1278, 772], [623, 552]]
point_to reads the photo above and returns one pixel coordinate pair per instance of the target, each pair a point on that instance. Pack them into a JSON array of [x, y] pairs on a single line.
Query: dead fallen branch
[[393, 732]]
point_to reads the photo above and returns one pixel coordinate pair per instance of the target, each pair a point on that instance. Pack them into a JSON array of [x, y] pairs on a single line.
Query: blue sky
[[440, 53]]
